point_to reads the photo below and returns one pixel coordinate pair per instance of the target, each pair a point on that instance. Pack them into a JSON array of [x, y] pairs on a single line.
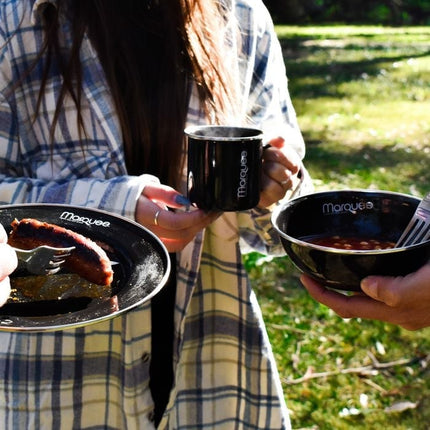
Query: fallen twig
[[371, 369], [374, 385], [288, 328]]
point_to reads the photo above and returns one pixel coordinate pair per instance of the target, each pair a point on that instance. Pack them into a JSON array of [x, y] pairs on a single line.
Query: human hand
[[175, 229], [281, 164], [403, 300], [8, 263]]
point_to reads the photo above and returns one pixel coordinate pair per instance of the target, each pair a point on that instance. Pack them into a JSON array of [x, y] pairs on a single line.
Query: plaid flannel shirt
[[96, 377]]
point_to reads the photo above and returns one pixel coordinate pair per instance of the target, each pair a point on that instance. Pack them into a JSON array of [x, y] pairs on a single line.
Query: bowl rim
[[277, 211]]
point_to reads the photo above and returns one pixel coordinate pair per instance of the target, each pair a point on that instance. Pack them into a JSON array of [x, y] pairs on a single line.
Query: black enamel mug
[[224, 167]]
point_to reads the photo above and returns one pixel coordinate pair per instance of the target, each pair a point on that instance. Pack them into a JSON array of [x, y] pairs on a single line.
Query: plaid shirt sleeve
[[31, 170]]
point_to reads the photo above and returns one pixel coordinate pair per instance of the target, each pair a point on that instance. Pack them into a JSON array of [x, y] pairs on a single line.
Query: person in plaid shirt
[[94, 98]]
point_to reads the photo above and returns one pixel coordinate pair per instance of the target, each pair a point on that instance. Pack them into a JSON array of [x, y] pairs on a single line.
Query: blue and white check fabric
[[96, 377]]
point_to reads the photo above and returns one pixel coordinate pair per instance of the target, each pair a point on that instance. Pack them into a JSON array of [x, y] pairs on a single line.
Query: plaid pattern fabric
[[96, 377]]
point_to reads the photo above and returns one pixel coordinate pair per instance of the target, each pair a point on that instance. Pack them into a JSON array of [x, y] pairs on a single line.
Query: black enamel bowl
[[381, 215]]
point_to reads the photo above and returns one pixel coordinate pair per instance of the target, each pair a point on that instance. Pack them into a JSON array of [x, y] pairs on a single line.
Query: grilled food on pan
[[88, 259]]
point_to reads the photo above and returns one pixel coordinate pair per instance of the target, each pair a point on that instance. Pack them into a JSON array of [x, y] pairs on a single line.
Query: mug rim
[[254, 133]]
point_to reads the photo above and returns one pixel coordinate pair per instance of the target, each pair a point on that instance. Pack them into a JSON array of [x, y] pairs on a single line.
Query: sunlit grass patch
[[362, 88], [362, 97]]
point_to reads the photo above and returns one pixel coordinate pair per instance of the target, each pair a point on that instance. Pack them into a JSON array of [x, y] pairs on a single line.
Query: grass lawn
[[362, 96]]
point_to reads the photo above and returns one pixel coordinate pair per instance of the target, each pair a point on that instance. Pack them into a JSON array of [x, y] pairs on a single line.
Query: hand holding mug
[[157, 210], [229, 171], [281, 165]]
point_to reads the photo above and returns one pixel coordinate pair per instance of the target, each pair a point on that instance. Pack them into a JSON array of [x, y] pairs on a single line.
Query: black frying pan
[[141, 268]]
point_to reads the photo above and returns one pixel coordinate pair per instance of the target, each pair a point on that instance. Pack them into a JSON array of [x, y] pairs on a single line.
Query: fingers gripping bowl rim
[[349, 213]]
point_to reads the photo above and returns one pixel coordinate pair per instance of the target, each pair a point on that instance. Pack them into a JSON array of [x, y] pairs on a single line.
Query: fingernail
[[369, 285], [182, 200]]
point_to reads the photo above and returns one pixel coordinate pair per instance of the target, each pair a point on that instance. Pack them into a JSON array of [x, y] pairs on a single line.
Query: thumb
[[371, 287], [387, 289], [276, 142], [3, 235]]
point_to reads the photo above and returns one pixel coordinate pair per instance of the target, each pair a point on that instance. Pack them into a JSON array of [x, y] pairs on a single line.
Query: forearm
[[118, 195]]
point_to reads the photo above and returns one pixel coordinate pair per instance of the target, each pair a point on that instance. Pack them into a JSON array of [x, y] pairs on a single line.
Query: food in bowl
[[362, 215], [354, 243]]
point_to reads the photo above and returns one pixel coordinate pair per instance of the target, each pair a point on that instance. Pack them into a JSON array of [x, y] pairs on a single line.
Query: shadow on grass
[[340, 71]]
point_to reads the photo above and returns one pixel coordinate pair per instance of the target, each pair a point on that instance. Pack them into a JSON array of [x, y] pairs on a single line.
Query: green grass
[[362, 97]]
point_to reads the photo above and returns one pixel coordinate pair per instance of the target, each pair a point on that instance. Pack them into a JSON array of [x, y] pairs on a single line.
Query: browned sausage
[[88, 259]]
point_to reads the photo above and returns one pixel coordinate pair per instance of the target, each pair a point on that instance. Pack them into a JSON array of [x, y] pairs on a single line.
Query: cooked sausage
[[88, 259]]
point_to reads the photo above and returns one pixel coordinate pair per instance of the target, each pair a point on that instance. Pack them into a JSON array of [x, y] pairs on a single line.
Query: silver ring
[[157, 214]]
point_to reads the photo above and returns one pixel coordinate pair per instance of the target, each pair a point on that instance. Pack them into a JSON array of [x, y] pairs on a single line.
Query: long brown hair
[[151, 51]]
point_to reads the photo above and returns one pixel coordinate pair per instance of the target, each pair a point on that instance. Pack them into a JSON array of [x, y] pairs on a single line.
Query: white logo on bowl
[[353, 207], [70, 216]]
